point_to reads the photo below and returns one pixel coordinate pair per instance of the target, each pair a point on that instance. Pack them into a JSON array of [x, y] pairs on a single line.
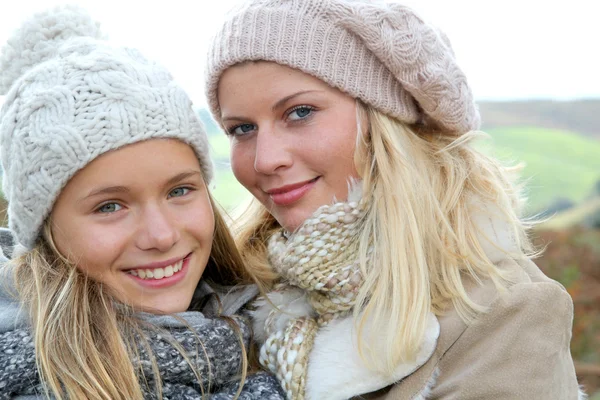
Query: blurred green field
[[558, 164], [225, 188]]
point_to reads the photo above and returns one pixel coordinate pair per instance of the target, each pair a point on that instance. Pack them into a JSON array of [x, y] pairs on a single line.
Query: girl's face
[[292, 138], [139, 220]]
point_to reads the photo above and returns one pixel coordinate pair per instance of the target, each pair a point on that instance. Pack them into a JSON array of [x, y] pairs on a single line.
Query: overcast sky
[[510, 49]]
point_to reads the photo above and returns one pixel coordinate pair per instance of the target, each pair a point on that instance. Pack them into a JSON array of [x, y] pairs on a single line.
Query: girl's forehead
[[138, 166]]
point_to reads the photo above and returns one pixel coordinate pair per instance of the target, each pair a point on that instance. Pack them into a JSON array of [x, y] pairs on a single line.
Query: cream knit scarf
[[321, 257]]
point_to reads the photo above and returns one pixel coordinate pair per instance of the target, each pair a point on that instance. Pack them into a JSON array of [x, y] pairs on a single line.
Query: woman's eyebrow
[[284, 100], [275, 106]]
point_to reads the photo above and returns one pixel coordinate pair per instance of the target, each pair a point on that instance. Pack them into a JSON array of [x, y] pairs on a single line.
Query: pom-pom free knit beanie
[[381, 53], [71, 97]]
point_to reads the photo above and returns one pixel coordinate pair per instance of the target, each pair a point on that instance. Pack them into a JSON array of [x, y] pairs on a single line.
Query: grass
[[219, 144], [225, 188], [558, 164]]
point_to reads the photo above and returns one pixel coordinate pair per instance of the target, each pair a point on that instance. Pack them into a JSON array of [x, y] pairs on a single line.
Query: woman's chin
[[290, 224]]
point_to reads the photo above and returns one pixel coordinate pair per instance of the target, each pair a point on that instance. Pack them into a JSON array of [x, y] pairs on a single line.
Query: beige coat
[[518, 350]]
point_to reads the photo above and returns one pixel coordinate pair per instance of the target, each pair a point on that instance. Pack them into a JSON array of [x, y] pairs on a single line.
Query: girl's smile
[[139, 220]]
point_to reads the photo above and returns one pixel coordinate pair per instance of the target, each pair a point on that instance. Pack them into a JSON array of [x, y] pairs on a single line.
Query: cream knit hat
[[381, 53], [71, 97]]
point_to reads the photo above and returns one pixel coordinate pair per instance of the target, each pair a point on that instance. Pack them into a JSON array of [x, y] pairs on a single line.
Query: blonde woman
[[394, 255], [119, 243]]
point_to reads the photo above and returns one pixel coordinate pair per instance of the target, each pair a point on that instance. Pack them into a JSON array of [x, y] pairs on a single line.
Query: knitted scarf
[[320, 257], [218, 363]]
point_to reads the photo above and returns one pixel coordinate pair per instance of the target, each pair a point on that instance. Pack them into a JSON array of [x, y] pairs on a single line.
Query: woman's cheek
[[242, 164]]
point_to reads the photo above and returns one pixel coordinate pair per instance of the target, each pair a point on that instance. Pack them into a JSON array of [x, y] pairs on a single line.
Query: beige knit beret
[[382, 53]]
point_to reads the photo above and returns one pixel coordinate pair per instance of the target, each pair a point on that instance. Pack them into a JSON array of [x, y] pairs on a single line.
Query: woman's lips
[[290, 194]]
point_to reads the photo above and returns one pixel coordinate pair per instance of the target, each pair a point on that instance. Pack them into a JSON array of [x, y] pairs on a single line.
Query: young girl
[[120, 245], [396, 261]]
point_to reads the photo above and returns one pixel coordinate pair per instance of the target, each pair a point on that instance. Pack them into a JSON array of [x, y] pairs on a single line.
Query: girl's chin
[[162, 307]]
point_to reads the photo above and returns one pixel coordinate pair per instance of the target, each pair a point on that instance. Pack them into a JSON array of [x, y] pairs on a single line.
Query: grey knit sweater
[[218, 366]]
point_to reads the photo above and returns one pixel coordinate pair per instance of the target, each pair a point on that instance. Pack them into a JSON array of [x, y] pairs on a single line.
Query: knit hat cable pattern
[[72, 97], [381, 53]]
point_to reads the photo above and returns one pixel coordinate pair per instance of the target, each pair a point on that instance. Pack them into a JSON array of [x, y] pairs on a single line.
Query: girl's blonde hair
[[84, 338], [422, 189]]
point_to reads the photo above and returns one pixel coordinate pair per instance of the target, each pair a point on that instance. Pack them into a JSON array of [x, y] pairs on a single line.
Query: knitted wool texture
[[218, 362], [383, 54], [321, 258], [285, 353], [71, 97]]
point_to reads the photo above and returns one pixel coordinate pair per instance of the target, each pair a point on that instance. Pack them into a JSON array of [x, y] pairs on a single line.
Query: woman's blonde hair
[[84, 338], [421, 189]]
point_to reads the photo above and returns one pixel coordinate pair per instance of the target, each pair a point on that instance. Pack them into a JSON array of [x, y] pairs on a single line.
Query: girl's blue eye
[[240, 130], [178, 192], [300, 112], [109, 208]]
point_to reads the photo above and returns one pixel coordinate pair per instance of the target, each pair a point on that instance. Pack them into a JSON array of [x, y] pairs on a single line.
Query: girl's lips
[[295, 193], [177, 277]]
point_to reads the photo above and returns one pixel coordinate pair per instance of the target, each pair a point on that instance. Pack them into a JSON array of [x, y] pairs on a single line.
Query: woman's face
[[292, 138], [139, 220]]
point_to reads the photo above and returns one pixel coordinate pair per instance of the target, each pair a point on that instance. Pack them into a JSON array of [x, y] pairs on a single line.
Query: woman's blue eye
[[109, 208], [241, 129], [178, 192], [300, 112]]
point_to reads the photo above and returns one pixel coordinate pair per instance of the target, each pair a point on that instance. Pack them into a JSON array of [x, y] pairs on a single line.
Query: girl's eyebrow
[[122, 189], [181, 176], [107, 190]]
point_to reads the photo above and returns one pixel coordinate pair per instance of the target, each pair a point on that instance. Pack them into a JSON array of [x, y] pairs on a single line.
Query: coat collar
[[336, 370]]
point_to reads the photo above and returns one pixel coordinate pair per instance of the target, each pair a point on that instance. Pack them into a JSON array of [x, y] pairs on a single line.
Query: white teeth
[[178, 265], [157, 273]]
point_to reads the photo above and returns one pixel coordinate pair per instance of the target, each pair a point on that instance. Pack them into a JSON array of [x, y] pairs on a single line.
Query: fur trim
[[336, 371], [426, 392], [354, 190], [291, 303], [19, 250], [495, 236]]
